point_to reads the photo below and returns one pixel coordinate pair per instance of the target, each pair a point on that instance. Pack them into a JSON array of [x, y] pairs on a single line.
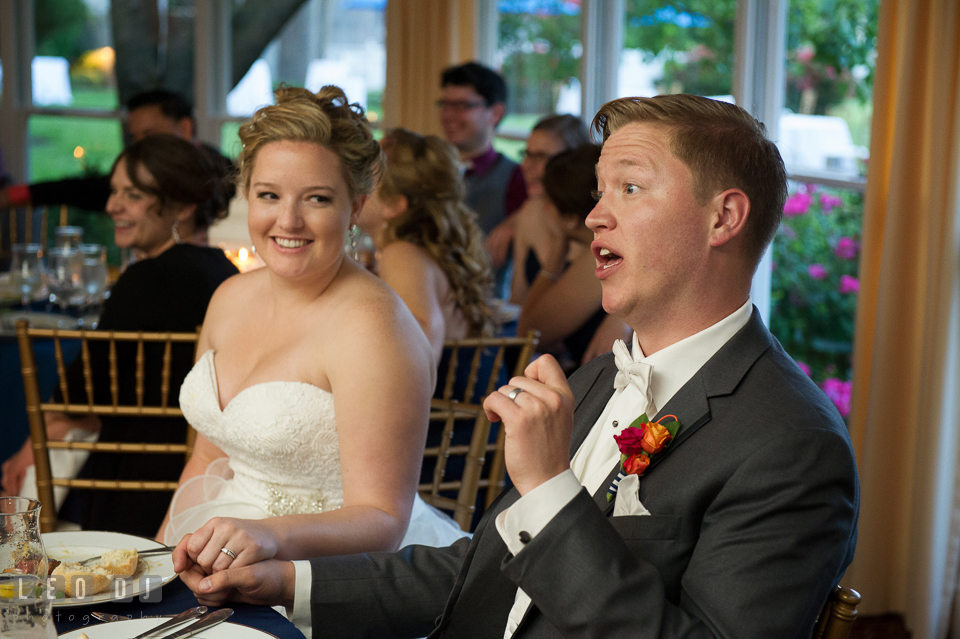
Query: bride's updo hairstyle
[[426, 171], [324, 118]]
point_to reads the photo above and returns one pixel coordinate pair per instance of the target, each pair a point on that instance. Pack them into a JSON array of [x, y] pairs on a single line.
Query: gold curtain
[[905, 413], [423, 38]]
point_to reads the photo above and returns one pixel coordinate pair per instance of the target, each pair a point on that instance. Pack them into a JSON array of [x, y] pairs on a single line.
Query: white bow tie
[[632, 372]]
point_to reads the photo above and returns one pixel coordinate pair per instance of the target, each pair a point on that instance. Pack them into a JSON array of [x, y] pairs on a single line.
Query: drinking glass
[[21, 547], [94, 272], [26, 270], [68, 236], [25, 604], [65, 277]]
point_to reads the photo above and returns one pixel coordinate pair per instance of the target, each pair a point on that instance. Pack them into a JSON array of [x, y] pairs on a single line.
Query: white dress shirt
[[672, 366]]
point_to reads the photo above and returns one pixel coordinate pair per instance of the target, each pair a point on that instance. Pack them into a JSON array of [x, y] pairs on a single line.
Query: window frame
[[759, 79]]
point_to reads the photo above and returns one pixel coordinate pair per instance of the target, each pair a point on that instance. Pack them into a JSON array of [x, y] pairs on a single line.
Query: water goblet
[[21, 546], [26, 270], [95, 272], [65, 276], [25, 605]]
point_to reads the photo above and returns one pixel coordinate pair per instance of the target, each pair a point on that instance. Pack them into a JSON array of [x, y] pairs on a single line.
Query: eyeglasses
[[458, 106], [535, 156]]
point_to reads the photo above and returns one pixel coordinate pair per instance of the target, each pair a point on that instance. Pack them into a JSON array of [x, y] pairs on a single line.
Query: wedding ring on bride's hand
[[229, 552], [513, 394]]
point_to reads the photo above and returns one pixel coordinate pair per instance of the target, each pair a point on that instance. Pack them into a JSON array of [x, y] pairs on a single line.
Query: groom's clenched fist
[[537, 415]]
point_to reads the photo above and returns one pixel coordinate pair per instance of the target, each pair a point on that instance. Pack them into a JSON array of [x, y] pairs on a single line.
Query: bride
[[311, 391]]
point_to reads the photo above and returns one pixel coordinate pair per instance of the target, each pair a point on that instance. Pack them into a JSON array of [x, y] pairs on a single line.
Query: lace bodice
[[281, 438]]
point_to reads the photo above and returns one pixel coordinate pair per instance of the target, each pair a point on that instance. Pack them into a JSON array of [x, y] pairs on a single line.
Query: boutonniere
[[638, 443]]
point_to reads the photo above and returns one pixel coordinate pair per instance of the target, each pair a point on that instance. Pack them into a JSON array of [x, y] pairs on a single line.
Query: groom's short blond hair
[[722, 145]]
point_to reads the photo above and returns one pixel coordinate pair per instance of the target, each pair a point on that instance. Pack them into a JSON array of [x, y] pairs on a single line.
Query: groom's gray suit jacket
[[754, 509]]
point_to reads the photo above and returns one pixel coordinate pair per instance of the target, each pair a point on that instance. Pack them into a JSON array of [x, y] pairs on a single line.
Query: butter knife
[[186, 615], [205, 621]]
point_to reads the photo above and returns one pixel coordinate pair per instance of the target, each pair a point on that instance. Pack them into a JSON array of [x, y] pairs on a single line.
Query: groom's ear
[[730, 211]]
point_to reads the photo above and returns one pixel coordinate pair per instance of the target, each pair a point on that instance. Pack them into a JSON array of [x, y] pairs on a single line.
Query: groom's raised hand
[[538, 423]]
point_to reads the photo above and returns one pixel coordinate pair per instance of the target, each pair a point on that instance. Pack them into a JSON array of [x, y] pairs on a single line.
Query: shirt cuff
[[524, 520], [302, 615]]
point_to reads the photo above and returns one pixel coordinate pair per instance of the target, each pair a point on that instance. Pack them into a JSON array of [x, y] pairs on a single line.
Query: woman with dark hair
[[164, 193], [551, 135], [564, 300]]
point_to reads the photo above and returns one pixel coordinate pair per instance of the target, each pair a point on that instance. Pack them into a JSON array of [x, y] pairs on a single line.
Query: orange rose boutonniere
[[638, 443]]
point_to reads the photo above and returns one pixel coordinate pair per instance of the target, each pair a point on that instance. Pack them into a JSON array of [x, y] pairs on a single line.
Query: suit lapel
[[719, 376], [593, 397]]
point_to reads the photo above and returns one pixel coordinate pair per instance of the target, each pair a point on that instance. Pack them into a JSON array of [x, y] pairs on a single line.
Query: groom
[[739, 527]]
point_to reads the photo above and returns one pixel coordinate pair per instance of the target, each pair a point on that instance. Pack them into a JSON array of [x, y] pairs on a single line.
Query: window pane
[[677, 48], [74, 61], [340, 42], [69, 146], [538, 53], [831, 52]]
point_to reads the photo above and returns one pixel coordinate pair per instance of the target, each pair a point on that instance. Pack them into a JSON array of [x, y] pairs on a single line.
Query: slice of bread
[[96, 577]]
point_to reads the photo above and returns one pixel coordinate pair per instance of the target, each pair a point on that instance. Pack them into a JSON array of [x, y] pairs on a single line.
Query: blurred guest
[[148, 113], [551, 135], [430, 248], [564, 300], [164, 193], [472, 104]]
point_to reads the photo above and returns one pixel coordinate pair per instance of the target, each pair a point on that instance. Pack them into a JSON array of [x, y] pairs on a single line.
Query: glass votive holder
[[68, 236]]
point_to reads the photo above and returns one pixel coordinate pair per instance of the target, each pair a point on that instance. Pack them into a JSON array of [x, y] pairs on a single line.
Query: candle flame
[[78, 152], [242, 254]]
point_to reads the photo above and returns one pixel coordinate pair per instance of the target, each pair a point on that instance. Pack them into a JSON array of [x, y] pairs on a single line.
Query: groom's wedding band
[[513, 394], [227, 551]]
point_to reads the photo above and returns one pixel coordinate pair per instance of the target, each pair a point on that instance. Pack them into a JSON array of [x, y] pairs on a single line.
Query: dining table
[[171, 599]]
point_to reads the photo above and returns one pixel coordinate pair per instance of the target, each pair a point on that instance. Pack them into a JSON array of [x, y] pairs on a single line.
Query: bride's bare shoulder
[[236, 295]]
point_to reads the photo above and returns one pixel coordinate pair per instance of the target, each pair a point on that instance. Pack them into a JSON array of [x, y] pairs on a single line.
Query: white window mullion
[[212, 67], [602, 37], [758, 87], [16, 51]]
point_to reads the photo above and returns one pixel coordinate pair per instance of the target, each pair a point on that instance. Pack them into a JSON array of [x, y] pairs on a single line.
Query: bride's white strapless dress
[[282, 458]]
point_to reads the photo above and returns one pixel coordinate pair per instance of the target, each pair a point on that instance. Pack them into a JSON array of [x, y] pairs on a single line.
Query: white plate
[[39, 320], [78, 545], [134, 627]]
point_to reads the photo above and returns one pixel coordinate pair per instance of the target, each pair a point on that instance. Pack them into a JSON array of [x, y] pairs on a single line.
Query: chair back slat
[[139, 375], [114, 377], [111, 405], [61, 369], [463, 425], [87, 372], [165, 373]]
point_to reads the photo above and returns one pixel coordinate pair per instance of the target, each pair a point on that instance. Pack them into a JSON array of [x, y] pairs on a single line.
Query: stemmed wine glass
[[27, 270]]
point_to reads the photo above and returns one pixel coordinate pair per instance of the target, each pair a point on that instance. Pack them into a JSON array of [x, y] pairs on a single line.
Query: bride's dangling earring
[[176, 235], [354, 234]]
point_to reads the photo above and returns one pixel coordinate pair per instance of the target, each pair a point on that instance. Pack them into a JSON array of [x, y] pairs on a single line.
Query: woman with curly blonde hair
[[430, 247], [301, 449]]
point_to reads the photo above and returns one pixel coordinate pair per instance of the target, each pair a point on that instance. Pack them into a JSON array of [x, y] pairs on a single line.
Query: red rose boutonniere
[[638, 443]]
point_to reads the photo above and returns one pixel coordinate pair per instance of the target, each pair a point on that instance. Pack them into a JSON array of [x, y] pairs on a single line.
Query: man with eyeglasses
[[472, 103]]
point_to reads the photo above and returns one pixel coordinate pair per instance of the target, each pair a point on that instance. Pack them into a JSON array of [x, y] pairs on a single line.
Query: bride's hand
[[249, 540]]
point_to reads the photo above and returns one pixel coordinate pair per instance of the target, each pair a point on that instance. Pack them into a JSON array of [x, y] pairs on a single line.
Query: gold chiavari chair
[[838, 614], [82, 402], [490, 362], [26, 224]]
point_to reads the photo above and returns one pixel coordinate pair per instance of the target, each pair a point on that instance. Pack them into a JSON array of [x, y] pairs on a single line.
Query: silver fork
[[141, 553]]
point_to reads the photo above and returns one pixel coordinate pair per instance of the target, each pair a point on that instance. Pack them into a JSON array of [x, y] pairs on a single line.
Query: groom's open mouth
[[606, 258]]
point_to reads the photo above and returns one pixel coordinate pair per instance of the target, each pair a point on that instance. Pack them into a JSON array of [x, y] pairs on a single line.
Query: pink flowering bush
[[814, 286]]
